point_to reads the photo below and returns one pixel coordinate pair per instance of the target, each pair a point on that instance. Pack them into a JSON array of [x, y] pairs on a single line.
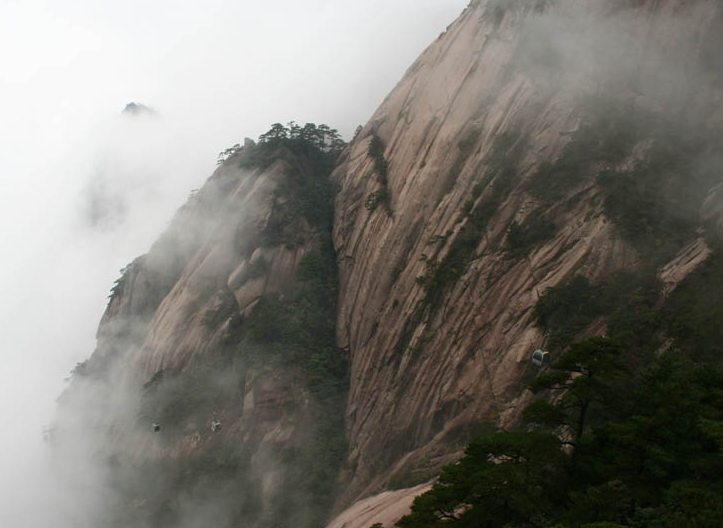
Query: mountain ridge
[[507, 169]]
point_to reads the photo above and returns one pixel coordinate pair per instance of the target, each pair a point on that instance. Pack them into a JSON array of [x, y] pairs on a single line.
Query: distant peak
[[134, 108]]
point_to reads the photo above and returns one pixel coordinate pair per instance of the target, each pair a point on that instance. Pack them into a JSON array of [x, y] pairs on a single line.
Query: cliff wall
[[537, 151], [216, 391], [494, 144]]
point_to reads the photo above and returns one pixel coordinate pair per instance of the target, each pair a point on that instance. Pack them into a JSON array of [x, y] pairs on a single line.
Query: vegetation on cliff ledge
[[627, 429], [654, 173], [382, 195], [616, 448], [288, 340], [486, 197]]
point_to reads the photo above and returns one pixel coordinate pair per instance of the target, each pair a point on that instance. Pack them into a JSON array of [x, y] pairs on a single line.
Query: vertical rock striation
[[494, 149], [215, 393], [535, 143]]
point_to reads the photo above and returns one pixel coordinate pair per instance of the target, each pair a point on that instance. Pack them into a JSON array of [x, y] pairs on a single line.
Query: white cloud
[[216, 71]]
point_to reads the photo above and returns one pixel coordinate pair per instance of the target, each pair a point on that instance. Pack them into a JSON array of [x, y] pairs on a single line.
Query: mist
[[84, 189]]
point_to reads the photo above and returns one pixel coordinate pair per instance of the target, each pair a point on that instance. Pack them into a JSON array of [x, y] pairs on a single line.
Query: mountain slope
[[496, 144], [216, 391], [544, 172]]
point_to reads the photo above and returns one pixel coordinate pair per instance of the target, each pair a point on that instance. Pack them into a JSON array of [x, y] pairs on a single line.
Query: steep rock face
[[534, 142], [712, 211], [208, 253], [439, 286], [385, 508], [210, 329]]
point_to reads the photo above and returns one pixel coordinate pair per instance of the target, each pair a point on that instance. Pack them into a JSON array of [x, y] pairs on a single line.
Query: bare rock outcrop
[[497, 98], [505, 162], [189, 383]]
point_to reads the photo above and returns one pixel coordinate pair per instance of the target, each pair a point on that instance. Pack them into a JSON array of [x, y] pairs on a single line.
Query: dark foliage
[[621, 434], [503, 480], [522, 238], [607, 136], [381, 196], [694, 313], [477, 212], [649, 455], [292, 333], [656, 205], [298, 332], [307, 138], [625, 299]]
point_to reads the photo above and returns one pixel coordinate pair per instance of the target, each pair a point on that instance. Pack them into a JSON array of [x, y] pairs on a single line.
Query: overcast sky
[[215, 71]]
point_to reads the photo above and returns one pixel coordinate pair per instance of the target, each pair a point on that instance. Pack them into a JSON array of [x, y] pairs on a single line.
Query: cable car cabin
[[540, 357], [156, 427], [215, 426]]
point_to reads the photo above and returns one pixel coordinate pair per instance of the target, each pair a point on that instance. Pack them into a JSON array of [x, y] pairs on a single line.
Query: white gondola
[[156, 427], [49, 433], [540, 357], [215, 426]]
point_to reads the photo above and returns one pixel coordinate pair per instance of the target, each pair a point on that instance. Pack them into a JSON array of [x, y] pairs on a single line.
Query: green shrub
[[626, 300], [475, 216], [656, 205], [652, 458], [292, 333], [694, 312], [522, 238], [381, 196], [607, 135], [376, 198]]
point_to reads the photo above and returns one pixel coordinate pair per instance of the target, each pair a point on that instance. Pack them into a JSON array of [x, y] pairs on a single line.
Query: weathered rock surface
[[211, 255], [435, 309], [421, 381], [385, 509], [169, 352]]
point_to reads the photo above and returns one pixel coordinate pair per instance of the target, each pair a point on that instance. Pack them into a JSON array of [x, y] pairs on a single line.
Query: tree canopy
[[321, 138], [606, 447]]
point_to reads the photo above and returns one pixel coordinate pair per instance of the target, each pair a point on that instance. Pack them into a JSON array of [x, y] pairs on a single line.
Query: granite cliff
[[496, 155], [533, 145], [216, 383]]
